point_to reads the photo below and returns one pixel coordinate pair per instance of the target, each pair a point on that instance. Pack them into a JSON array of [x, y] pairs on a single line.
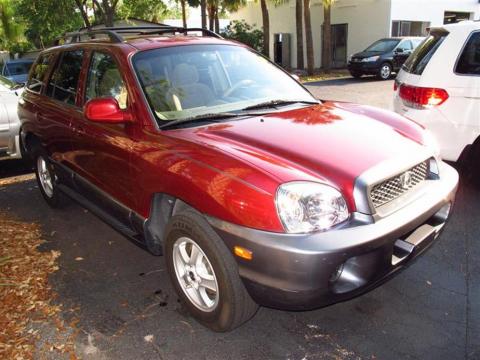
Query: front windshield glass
[[19, 68], [188, 81], [383, 45]]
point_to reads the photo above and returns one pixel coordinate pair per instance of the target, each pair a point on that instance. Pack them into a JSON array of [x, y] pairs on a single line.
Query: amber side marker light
[[243, 253]]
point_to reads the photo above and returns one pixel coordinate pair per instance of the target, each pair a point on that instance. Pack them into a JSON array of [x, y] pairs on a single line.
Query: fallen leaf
[[78, 258]]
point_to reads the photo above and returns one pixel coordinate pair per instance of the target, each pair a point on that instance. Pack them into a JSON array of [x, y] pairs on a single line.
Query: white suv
[[439, 87]]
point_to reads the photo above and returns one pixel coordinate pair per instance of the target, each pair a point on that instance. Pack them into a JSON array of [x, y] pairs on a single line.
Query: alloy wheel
[[44, 176]]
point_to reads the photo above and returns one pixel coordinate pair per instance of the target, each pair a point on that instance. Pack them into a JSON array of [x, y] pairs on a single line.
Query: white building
[[357, 23]]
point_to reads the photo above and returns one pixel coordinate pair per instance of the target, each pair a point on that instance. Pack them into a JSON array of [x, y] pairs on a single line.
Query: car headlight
[[371, 59], [305, 207]]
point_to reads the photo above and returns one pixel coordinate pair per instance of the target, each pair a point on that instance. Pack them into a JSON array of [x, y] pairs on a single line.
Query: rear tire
[[205, 274], [472, 165], [385, 71], [46, 179]]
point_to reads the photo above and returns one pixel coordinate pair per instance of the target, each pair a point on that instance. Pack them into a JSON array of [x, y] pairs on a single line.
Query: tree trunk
[[217, 21], [184, 12], [308, 37], [299, 25], [211, 16], [327, 38], [266, 28], [83, 11], [203, 13]]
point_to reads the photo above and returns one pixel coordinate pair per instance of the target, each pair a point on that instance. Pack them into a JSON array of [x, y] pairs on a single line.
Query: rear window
[[64, 80], [469, 62], [420, 58], [37, 76]]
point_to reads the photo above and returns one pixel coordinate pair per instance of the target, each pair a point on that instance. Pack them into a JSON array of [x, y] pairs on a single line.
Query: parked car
[[256, 192], [9, 122], [383, 57], [17, 70], [439, 87]]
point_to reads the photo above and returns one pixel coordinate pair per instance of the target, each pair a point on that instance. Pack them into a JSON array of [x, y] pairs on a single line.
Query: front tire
[[47, 180], [205, 274], [385, 71]]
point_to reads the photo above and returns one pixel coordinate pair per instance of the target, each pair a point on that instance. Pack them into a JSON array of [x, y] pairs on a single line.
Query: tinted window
[[38, 75], [105, 80], [384, 45], [420, 58], [469, 62], [64, 80]]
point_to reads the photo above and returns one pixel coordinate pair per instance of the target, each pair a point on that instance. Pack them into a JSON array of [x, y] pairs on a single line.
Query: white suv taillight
[[422, 97]]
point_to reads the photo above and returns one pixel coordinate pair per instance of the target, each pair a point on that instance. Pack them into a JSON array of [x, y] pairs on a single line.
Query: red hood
[[332, 142]]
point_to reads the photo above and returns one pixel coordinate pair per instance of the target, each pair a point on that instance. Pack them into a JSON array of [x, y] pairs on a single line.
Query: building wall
[[432, 10], [368, 20]]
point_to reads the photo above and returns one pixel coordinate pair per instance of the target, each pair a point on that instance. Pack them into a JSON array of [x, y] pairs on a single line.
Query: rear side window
[[469, 62], [63, 83], [422, 55], [38, 75]]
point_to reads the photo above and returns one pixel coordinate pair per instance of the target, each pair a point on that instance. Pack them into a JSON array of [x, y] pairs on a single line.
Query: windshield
[[384, 45], [20, 68], [188, 81]]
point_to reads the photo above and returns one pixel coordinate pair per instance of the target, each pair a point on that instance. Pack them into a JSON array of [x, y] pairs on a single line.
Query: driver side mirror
[[106, 110], [399, 51]]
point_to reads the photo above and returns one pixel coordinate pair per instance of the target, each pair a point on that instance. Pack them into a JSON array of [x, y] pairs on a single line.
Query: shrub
[[244, 33]]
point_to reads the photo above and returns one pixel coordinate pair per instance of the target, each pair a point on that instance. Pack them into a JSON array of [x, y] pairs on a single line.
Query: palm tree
[[203, 13], [266, 28], [327, 35], [299, 29], [308, 37]]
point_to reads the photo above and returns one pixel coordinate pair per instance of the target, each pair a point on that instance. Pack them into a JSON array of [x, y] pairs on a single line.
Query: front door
[[339, 45], [401, 53], [102, 151]]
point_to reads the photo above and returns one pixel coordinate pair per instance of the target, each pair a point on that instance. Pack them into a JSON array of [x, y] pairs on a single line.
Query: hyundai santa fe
[[256, 193]]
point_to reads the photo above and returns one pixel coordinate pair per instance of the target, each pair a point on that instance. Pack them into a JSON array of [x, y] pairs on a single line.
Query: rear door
[[59, 105]]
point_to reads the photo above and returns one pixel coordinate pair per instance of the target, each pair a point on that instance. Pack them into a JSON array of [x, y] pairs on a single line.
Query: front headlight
[[305, 207], [371, 59]]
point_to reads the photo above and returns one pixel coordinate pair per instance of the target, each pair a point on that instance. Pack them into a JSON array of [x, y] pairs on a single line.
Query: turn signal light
[[243, 253], [422, 97]]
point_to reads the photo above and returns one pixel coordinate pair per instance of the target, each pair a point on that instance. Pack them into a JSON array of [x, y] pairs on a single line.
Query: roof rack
[[114, 33]]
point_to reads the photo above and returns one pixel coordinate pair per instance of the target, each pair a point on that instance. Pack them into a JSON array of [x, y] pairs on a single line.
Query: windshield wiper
[[275, 103], [215, 117]]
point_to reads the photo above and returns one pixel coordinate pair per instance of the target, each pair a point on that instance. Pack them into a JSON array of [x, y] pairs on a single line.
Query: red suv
[[202, 150]]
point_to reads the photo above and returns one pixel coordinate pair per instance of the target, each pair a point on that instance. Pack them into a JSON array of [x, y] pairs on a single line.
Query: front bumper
[[364, 67], [306, 271]]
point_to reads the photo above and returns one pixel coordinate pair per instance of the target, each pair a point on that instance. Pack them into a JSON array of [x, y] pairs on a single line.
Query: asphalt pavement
[[128, 310]]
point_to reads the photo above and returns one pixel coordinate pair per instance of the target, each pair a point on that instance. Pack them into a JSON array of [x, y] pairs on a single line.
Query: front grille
[[396, 186]]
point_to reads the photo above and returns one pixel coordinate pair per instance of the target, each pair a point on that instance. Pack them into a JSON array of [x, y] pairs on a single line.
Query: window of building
[[409, 28], [63, 83], [469, 62], [452, 17]]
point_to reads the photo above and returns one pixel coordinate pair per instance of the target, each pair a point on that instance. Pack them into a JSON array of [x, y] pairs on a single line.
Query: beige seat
[[186, 91], [111, 85]]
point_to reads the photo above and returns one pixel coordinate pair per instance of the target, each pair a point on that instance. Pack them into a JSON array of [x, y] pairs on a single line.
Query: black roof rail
[[114, 33]]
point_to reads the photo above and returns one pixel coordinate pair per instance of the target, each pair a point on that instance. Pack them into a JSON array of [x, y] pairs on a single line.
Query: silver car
[[9, 124]]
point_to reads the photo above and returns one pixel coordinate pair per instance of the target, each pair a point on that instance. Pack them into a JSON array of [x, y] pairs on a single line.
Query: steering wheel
[[238, 85]]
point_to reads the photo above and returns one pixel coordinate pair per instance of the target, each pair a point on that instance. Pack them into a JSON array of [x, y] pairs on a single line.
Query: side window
[[469, 62], [38, 74], [405, 45], [63, 83], [105, 79]]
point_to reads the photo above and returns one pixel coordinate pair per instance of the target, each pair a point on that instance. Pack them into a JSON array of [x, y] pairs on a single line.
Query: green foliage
[[45, 20], [10, 30], [244, 33], [150, 10]]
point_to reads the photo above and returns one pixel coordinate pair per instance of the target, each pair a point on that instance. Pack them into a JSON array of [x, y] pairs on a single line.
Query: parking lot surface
[[128, 310]]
